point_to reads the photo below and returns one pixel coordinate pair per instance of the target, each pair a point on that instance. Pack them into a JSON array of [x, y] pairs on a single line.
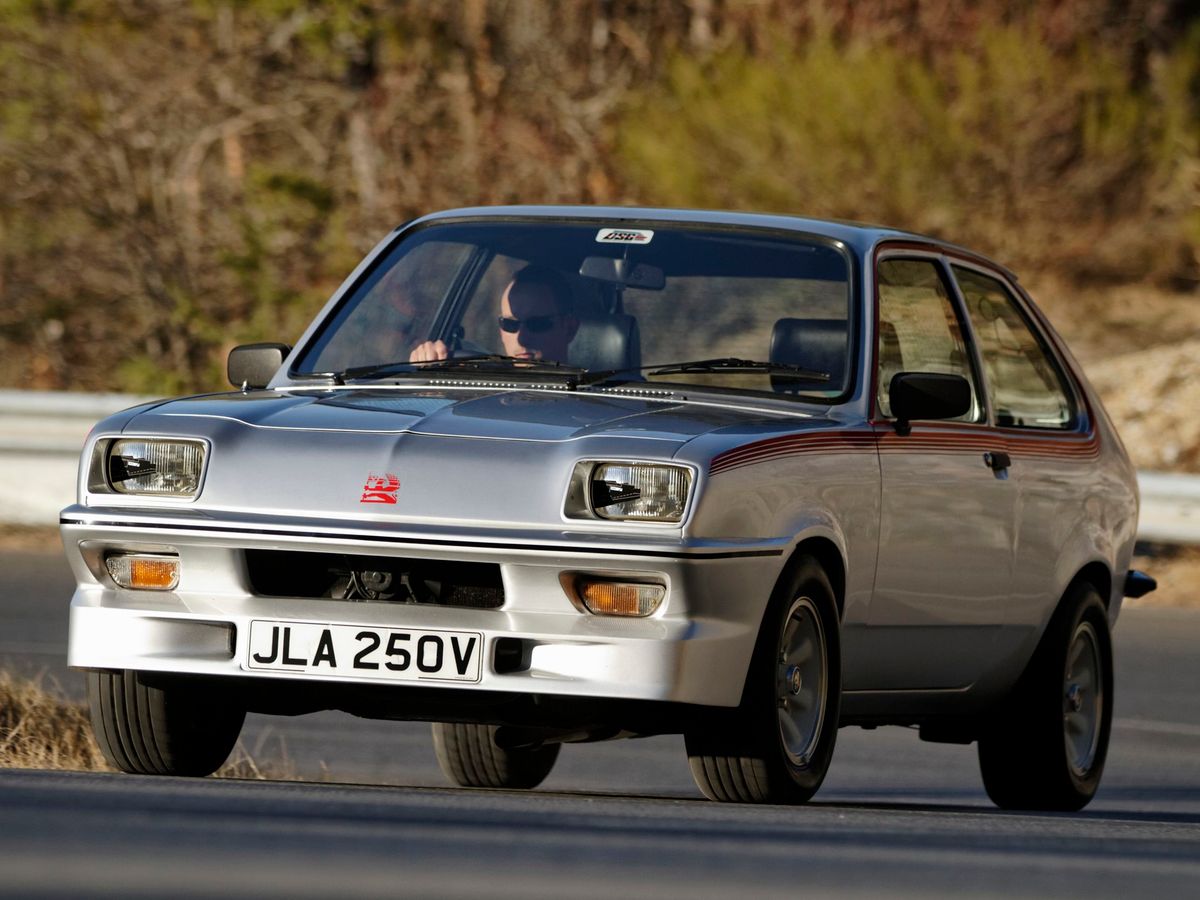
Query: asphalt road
[[896, 816]]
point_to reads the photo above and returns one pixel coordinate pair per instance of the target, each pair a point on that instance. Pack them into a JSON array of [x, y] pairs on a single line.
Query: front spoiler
[[694, 650]]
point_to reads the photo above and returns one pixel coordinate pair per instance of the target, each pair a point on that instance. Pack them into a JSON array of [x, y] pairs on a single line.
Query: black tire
[[747, 755], [468, 756], [1045, 748], [156, 725]]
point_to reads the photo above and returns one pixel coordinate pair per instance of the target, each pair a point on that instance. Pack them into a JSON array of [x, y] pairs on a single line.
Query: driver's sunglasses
[[535, 324]]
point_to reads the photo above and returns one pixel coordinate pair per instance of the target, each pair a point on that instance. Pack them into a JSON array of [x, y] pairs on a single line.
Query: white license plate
[[403, 654]]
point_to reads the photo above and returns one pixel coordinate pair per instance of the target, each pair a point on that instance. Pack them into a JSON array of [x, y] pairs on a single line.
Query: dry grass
[[42, 538], [268, 760], [1103, 322], [1177, 570], [1138, 345], [41, 729]]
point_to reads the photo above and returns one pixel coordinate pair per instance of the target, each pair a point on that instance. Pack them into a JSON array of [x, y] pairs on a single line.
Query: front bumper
[[695, 649]]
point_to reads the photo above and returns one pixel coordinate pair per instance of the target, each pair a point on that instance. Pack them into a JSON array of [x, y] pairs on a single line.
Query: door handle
[[997, 460]]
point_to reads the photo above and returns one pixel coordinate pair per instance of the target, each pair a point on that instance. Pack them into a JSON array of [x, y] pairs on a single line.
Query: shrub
[[1046, 158]]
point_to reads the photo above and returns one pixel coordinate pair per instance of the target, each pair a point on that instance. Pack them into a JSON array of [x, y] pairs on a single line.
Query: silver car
[[542, 475]]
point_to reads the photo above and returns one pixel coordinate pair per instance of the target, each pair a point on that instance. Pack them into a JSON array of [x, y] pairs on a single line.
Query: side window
[[918, 328], [392, 312], [1027, 388]]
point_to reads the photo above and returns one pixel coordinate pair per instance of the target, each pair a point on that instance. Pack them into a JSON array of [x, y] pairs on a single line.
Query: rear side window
[[1026, 386], [918, 329]]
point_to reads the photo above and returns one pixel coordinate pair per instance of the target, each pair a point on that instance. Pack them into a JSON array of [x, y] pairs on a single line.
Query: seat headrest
[[607, 342], [818, 344]]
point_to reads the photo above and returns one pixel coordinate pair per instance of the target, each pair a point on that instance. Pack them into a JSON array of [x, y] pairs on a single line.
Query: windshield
[[594, 299]]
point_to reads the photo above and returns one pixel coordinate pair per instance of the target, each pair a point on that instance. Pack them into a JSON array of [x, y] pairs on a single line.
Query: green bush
[[1045, 158], [180, 178]]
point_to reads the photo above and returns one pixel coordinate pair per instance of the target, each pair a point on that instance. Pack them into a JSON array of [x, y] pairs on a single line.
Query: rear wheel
[[1047, 745], [157, 725], [776, 747], [470, 757]]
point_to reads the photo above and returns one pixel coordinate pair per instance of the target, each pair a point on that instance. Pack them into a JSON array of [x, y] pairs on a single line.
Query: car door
[[1051, 445], [947, 527]]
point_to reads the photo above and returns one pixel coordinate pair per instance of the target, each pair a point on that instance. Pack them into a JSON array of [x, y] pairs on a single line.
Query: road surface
[[896, 816]]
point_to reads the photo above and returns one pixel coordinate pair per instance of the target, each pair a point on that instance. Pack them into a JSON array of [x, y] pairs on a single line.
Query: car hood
[[448, 455], [538, 416]]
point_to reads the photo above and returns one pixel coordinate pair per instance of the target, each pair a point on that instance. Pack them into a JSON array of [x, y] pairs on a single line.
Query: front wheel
[[776, 747], [1045, 748], [158, 725]]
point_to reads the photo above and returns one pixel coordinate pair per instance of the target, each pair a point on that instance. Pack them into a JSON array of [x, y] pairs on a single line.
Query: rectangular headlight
[[167, 468], [642, 491]]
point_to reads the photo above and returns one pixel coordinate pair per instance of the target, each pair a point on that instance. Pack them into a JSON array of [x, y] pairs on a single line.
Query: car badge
[[380, 488]]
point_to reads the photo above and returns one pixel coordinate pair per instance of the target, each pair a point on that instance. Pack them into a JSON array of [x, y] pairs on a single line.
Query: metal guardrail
[[54, 422], [1170, 512], [42, 432], [41, 436]]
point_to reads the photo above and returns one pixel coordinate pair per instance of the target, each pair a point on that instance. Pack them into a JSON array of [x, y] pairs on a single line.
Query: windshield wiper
[[492, 363], [730, 364], [500, 361], [488, 362], [733, 364]]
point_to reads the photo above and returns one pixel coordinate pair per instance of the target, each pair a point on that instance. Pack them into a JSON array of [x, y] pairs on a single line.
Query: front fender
[[832, 496]]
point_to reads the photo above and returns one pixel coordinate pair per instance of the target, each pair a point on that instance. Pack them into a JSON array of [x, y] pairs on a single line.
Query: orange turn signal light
[[614, 598], [144, 573]]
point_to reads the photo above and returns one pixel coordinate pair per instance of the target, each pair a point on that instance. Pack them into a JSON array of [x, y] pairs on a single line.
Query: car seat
[[818, 344], [607, 342]]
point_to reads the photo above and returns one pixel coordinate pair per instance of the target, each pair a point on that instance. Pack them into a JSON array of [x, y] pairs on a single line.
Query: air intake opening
[[375, 579]]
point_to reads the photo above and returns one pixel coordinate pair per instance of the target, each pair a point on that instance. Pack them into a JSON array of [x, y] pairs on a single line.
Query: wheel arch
[[1095, 574], [829, 556], [1098, 575]]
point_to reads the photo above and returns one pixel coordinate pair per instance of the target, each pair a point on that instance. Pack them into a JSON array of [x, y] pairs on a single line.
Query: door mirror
[[927, 395], [254, 365]]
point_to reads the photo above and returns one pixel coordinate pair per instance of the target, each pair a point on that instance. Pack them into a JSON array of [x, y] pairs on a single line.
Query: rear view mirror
[[623, 273], [927, 395], [254, 365]]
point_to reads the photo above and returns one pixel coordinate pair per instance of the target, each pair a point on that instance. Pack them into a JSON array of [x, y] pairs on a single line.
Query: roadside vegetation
[[1054, 158], [186, 175], [41, 729]]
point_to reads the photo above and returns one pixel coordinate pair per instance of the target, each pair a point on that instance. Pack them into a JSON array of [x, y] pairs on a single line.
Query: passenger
[[537, 320]]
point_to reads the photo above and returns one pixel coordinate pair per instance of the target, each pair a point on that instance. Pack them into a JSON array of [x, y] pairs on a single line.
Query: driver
[[537, 320]]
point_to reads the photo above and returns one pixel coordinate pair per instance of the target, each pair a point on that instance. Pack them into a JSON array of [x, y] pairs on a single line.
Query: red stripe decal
[[793, 445], [1072, 446]]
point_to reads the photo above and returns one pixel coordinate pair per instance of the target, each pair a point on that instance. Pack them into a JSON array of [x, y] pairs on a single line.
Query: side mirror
[[254, 365], [927, 395]]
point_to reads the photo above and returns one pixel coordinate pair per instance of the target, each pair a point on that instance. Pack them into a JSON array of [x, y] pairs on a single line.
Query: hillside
[[185, 175]]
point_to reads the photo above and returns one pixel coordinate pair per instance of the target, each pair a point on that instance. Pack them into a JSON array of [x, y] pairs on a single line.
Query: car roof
[[860, 236]]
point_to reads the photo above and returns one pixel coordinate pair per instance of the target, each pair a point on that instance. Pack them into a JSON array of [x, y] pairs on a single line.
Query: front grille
[[374, 579]]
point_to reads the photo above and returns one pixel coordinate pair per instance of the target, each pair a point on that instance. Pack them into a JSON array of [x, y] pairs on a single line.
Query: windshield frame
[[404, 232]]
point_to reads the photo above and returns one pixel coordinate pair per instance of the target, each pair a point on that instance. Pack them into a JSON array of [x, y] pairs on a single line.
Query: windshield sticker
[[623, 236]]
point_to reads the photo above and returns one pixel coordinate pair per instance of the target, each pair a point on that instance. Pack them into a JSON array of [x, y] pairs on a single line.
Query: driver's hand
[[429, 351]]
